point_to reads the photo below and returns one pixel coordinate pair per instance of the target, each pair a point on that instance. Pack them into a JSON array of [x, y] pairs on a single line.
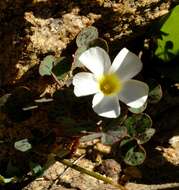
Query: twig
[[154, 187], [64, 171], [90, 173], [56, 79], [74, 162], [165, 186]]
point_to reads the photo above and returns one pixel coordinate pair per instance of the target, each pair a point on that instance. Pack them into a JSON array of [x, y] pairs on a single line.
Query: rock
[[110, 168]]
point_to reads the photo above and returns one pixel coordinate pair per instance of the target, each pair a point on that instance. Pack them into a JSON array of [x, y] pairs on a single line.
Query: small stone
[[174, 141], [103, 148], [110, 168]]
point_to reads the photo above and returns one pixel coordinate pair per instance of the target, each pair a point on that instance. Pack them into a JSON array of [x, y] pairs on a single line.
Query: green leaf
[[135, 156], [111, 137], [36, 168], [86, 36], [61, 67], [131, 152], [88, 44], [145, 136], [4, 180], [126, 143], [138, 110], [137, 123], [22, 145], [168, 44], [100, 43], [46, 65], [90, 137], [78, 52], [155, 93], [139, 127]]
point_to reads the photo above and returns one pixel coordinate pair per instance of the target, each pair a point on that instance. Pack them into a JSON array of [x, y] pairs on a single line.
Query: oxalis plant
[[116, 116], [111, 85]]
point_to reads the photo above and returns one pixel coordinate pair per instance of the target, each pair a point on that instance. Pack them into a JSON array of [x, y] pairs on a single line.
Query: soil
[[33, 29]]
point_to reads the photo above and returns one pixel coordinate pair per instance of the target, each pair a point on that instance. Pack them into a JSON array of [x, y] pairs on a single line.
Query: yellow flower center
[[110, 84]]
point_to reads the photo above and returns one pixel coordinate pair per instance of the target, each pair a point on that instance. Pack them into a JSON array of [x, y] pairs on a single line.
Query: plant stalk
[[56, 79], [90, 173]]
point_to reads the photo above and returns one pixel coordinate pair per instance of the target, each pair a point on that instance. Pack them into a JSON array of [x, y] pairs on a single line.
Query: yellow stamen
[[110, 84]]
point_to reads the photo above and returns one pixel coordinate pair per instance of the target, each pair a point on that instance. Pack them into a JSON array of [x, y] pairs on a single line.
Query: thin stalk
[[56, 79], [90, 173]]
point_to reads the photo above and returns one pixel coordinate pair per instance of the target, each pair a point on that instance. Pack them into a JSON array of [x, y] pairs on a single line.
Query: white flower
[[110, 83]]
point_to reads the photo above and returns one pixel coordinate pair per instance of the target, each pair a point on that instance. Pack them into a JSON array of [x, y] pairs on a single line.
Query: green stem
[[90, 173]]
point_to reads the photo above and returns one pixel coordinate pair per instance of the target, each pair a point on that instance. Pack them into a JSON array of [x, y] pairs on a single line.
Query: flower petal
[[126, 64], [106, 106], [134, 93], [84, 84], [96, 60]]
